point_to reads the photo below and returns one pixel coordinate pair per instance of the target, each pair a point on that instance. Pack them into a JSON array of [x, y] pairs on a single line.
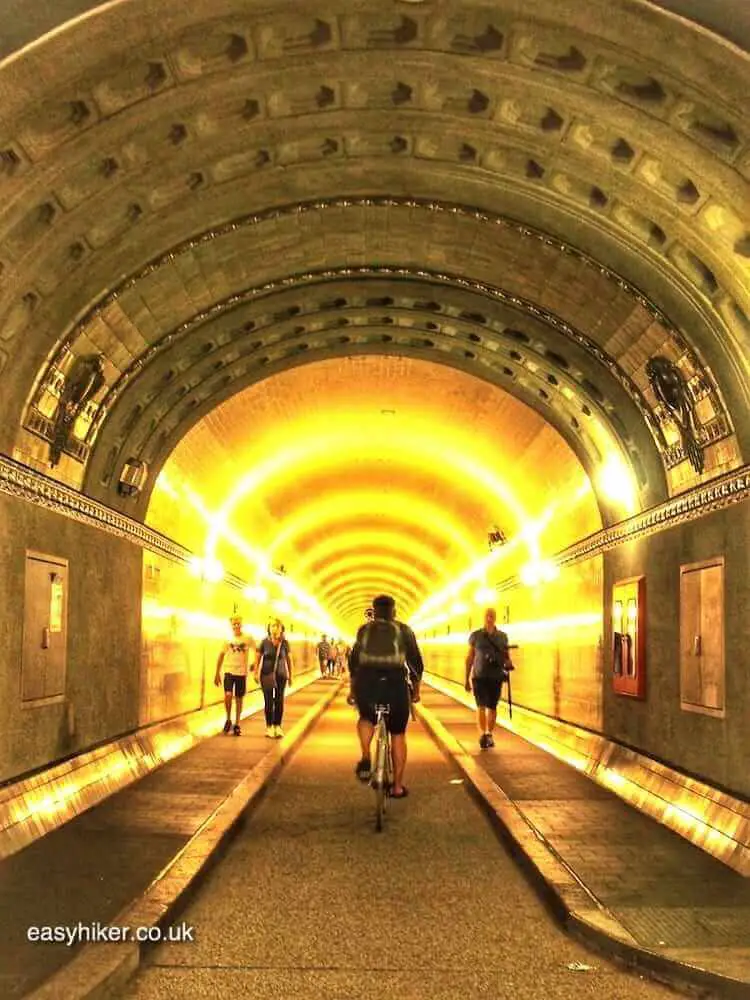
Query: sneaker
[[237, 731], [490, 740], [270, 732], [227, 726], [279, 733], [362, 770], [484, 741]]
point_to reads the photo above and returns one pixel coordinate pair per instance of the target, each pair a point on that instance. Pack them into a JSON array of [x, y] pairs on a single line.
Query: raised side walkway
[[619, 878], [94, 867]]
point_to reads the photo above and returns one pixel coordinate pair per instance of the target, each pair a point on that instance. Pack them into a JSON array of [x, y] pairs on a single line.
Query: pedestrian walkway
[[90, 869], [675, 900], [310, 903]]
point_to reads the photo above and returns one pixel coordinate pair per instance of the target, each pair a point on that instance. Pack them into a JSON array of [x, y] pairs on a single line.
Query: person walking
[[273, 671], [323, 649], [234, 657], [342, 652], [487, 665]]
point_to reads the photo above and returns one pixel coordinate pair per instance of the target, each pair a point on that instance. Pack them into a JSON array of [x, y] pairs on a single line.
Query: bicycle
[[382, 760], [382, 770]]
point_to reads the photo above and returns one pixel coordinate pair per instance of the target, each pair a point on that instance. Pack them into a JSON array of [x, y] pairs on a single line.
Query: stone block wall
[[715, 749], [103, 638], [566, 672]]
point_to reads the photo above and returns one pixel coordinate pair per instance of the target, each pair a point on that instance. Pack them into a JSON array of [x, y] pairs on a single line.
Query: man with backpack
[[385, 661], [487, 666]]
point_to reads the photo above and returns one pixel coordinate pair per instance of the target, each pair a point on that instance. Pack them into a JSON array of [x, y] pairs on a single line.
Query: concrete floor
[[310, 902]]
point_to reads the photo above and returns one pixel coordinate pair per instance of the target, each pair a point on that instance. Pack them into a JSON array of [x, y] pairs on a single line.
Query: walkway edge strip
[[100, 971], [596, 926], [134, 756], [712, 820]]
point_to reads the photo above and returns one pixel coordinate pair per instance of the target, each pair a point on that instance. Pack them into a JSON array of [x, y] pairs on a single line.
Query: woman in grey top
[[273, 671]]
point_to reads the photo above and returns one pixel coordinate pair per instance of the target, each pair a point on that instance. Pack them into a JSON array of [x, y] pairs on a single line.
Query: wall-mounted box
[[702, 637], [629, 637]]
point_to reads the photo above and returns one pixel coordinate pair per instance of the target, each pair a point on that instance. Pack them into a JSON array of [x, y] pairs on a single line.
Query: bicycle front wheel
[[379, 805]]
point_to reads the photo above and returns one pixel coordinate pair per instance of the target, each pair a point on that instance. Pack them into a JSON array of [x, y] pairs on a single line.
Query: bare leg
[[398, 751], [491, 718], [228, 704], [365, 731], [238, 709], [482, 718]]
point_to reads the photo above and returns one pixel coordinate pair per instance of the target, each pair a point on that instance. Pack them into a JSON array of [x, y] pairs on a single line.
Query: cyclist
[[351, 700], [384, 660]]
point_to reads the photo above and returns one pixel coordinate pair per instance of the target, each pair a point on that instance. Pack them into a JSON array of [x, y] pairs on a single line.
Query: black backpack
[[382, 645]]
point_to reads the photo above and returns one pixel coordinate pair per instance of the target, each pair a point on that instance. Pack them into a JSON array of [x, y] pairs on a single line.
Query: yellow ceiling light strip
[[380, 581], [374, 549], [372, 579], [436, 609], [473, 575], [310, 610], [412, 569], [376, 583], [439, 456], [355, 605], [398, 507], [370, 556], [365, 595]]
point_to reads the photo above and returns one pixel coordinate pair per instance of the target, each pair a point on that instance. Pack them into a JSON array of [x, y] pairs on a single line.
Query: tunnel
[[436, 299]]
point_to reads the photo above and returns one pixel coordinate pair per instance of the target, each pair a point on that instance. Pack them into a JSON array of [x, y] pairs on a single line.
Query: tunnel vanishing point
[[304, 302]]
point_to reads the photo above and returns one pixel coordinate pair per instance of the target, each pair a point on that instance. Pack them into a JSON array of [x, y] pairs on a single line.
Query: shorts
[[487, 691], [236, 683], [379, 687]]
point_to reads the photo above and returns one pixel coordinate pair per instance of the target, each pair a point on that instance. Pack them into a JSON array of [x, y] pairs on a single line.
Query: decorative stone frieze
[[26, 484], [720, 493]]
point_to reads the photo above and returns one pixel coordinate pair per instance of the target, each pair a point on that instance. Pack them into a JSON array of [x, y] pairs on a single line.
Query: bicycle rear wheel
[[381, 776]]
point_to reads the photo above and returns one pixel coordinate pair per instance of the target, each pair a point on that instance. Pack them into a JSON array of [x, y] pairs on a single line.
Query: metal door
[[702, 637], [45, 627]]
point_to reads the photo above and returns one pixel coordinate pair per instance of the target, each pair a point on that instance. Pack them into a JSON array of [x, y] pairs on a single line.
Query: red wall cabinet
[[629, 637]]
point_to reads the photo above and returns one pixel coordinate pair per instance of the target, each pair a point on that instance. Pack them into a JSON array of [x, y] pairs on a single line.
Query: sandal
[[400, 795]]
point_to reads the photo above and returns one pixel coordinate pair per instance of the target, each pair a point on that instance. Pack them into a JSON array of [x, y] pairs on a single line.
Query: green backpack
[[382, 645]]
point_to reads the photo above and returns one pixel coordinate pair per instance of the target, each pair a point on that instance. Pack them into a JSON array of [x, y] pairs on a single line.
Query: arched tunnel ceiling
[[372, 473], [25, 20], [202, 195]]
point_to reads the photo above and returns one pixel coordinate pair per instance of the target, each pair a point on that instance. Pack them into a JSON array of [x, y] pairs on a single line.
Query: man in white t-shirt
[[235, 656]]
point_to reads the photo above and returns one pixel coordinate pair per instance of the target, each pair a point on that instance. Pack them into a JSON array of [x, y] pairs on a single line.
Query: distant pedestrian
[[273, 671], [234, 657], [323, 649], [341, 655], [487, 665]]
